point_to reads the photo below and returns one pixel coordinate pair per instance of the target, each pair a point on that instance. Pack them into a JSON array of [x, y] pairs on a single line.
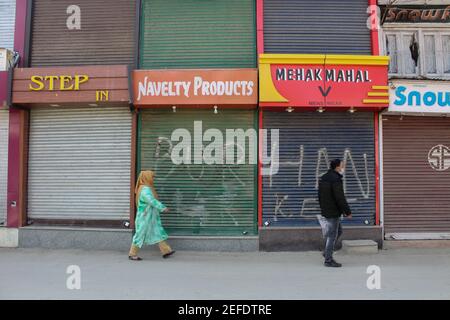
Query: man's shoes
[[332, 264]]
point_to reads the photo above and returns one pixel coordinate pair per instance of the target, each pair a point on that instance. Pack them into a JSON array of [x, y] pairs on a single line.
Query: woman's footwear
[[168, 254], [134, 258]]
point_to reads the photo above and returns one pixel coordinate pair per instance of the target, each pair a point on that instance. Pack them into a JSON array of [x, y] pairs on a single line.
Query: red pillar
[[260, 26], [18, 131], [260, 49], [374, 25]]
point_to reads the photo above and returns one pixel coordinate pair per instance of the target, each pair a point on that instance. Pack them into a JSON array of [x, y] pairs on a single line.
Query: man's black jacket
[[331, 195]]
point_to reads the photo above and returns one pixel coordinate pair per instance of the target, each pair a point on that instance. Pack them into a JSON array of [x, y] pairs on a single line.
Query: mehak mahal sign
[[323, 81]]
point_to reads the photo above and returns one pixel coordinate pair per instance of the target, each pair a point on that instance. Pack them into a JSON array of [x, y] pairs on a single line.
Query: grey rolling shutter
[[316, 26], [307, 142], [79, 163], [4, 125], [416, 174], [106, 36], [7, 23]]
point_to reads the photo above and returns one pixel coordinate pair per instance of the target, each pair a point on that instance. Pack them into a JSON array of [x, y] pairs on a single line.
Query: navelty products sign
[[323, 81], [420, 97], [195, 87]]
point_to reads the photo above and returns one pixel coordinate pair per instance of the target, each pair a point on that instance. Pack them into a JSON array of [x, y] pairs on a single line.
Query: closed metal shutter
[[204, 199], [79, 163], [416, 174], [198, 34], [316, 26], [4, 125], [308, 141], [106, 36], [7, 23]]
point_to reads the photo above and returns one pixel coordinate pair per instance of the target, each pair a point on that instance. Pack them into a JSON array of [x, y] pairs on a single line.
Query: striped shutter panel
[[79, 163], [7, 23], [198, 34], [416, 196], [316, 26], [106, 37], [204, 199], [4, 125], [307, 142]]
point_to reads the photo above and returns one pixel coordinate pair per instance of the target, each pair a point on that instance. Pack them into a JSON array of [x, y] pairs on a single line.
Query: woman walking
[[149, 230]]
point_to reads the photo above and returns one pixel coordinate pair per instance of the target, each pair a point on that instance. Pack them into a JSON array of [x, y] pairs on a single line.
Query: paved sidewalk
[[41, 274]]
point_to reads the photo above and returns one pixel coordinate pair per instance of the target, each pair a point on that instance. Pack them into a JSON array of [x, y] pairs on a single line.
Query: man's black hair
[[335, 163]]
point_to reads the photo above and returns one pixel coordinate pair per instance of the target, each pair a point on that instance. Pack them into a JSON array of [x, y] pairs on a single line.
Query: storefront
[[204, 174], [416, 160], [79, 146], [325, 107]]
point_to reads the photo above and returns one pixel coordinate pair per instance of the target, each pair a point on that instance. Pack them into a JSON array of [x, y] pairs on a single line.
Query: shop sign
[[69, 85], [195, 87], [56, 82], [416, 14], [420, 97], [323, 81]]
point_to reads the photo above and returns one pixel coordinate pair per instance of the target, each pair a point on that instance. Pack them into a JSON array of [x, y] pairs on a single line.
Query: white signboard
[[420, 97]]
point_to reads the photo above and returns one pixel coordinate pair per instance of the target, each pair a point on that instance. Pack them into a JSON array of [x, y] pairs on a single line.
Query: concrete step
[[359, 246], [120, 239], [9, 237]]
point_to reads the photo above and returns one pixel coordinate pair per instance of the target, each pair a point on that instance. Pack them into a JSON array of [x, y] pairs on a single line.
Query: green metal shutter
[[204, 199], [198, 34]]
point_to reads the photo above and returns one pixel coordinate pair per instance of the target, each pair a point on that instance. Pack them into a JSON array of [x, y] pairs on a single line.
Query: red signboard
[[326, 84]]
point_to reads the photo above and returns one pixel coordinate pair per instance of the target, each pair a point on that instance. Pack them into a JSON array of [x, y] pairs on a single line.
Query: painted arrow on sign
[[324, 92]]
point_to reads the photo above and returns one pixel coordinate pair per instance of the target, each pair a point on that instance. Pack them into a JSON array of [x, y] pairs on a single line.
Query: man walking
[[332, 204]]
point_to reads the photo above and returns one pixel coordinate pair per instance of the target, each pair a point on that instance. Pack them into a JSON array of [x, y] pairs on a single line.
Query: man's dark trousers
[[333, 230]]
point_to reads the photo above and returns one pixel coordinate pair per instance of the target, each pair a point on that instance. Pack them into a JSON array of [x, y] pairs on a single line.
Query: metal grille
[[204, 199], [198, 34], [316, 26], [307, 142], [106, 36], [416, 174], [79, 163], [7, 23]]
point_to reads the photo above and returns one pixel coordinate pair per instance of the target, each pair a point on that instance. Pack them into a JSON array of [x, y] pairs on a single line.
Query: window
[[418, 52], [392, 52], [430, 54], [446, 53]]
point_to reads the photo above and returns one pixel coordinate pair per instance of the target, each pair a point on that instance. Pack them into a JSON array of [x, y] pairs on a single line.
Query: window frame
[[420, 29]]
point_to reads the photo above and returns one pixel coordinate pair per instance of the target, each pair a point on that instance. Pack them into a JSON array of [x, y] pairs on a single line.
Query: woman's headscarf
[[145, 179]]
